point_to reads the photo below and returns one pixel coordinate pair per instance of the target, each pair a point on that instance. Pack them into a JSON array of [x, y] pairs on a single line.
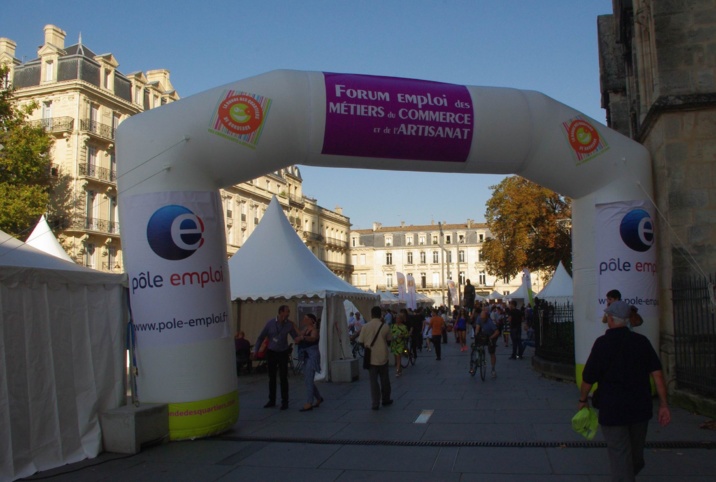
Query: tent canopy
[[274, 263], [559, 288], [62, 343], [42, 238], [521, 293]]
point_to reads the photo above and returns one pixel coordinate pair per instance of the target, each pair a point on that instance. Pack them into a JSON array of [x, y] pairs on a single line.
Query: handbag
[[367, 349]]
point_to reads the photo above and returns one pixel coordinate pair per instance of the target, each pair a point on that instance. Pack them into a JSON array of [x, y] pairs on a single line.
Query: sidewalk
[[512, 428]]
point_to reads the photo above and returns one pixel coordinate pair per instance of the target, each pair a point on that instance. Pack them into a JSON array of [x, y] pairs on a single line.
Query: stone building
[[82, 98], [658, 83], [433, 254]]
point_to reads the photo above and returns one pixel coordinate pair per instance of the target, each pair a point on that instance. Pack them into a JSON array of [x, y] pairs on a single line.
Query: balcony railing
[[336, 242], [55, 124], [96, 224], [102, 130], [339, 267], [113, 267], [312, 236], [296, 199], [97, 172]]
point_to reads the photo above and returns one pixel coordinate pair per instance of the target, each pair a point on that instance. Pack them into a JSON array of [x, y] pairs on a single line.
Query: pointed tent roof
[[559, 287], [274, 263], [42, 238], [520, 293], [495, 295]]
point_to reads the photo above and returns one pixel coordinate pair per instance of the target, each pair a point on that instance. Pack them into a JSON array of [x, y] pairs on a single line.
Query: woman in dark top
[[308, 351]]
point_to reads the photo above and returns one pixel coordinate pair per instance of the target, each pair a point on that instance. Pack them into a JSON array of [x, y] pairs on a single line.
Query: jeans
[[378, 391], [517, 348], [278, 360], [437, 342], [625, 447]]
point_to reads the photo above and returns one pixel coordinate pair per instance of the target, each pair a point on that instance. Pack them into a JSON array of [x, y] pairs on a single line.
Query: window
[[92, 158], [354, 241], [112, 258], [389, 280], [461, 278], [362, 259], [482, 278], [410, 257], [435, 239], [479, 255], [448, 239], [481, 238], [461, 256], [90, 204], [449, 256], [506, 280], [47, 110], [49, 71], [436, 257], [354, 259], [113, 214], [389, 240], [388, 258], [423, 280], [461, 239], [89, 255], [409, 239], [362, 279], [422, 257], [436, 280], [422, 239]]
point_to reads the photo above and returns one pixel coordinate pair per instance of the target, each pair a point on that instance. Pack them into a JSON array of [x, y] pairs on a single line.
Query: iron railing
[[695, 333], [96, 224], [55, 124], [102, 130], [554, 333], [97, 172]]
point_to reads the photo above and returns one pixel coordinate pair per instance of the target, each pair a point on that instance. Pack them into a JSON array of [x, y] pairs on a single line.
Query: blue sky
[[545, 45]]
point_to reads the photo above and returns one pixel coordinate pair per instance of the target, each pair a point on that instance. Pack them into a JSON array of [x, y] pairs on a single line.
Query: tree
[[529, 226], [25, 177]]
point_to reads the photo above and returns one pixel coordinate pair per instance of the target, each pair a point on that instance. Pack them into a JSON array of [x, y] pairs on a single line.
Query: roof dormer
[[108, 64], [49, 53]]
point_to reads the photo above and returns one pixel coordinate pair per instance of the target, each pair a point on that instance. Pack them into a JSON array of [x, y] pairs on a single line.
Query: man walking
[[277, 330], [622, 362], [376, 335], [437, 323]]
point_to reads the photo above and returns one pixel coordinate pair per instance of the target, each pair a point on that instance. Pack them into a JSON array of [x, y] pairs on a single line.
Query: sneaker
[[494, 375]]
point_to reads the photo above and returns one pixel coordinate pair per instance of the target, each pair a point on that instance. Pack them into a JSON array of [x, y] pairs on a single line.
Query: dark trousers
[[437, 340], [278, 360], [379, 391], [625, 446], [517, 348]]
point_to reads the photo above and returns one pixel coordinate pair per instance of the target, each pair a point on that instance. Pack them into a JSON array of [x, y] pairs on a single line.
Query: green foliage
[[25, 180], [529, 226]]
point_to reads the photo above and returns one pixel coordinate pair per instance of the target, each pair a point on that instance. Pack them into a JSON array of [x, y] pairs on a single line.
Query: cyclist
[[487, 328]]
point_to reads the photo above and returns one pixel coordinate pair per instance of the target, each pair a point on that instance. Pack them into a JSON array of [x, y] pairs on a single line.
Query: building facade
[[433, 254], [82, 98], [658, 83]]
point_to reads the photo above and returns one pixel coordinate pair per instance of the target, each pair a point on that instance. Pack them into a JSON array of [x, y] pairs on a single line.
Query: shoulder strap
[[376, 334]]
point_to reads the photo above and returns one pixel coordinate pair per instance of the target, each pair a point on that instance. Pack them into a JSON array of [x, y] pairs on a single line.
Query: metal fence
[[554, 333], [694, 305]]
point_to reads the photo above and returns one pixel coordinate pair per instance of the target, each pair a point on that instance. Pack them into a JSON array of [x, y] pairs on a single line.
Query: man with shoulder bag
[[375, 336]]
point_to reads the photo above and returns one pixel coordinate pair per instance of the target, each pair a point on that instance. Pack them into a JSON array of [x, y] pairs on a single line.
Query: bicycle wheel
[[483, 363], [358, 350], [412, 358], [473, 360]]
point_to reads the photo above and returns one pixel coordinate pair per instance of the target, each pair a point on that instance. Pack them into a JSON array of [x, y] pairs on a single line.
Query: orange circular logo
[[241, 114], [583, 137]]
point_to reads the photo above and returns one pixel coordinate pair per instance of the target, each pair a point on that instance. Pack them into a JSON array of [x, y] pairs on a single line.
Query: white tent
[[63, 359], [274, 267], [559, 289], [42, 239], [390, 300], [521, 293], [495, 295]]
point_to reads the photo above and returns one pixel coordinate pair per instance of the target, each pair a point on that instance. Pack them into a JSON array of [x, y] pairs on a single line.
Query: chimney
[[376, 226], [402, 224], [7, 47], [339, 210], [469, 223], [55, 36]]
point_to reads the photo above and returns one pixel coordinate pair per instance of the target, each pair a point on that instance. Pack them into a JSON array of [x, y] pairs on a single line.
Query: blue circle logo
[[637, 230], [174, 232]]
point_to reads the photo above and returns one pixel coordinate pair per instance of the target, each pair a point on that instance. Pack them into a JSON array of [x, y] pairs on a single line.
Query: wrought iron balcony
[[97, 172], [102, 130], [96, 224], [339, 267], [55, 124]]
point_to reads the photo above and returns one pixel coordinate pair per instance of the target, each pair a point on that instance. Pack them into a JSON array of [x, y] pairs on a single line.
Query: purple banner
[[395, 118]]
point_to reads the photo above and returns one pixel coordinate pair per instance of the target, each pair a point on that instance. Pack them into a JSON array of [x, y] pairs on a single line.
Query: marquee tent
[[559, 289], [62, 346], [495, 295], [42, 238], [275, 267], [521, 293]]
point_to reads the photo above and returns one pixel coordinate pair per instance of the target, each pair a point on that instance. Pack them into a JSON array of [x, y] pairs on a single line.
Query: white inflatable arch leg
[[173, 160]]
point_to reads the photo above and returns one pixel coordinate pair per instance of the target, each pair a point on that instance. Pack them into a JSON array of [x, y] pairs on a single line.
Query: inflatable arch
[[173, 160]]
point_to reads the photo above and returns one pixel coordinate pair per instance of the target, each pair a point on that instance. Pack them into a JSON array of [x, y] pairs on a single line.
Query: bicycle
[[408, 357], [358, 349], [477, 356]]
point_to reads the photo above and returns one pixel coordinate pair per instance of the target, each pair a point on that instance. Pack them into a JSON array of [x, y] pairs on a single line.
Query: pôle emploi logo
[[637, 230], [174, 232]]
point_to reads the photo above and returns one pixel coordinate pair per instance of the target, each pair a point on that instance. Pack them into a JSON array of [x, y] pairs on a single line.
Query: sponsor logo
[[174, 232], [637, 230], [240, 116], [583, 138]]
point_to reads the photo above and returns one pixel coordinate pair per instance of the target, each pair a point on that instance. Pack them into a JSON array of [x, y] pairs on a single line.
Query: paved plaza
[[444, 425]]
